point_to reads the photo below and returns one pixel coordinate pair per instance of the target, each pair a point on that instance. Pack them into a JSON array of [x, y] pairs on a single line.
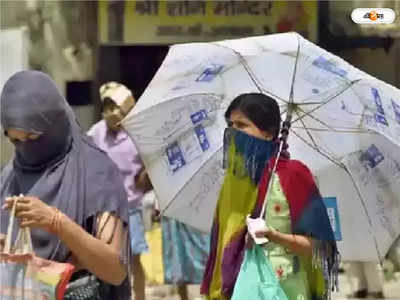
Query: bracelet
[[56, 220]]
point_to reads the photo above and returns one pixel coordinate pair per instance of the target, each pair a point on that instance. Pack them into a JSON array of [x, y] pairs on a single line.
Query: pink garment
[[121, 149]]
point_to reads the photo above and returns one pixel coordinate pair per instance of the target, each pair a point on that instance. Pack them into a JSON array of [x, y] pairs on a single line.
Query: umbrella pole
[[272, 178], [287, 123], [283, 141]]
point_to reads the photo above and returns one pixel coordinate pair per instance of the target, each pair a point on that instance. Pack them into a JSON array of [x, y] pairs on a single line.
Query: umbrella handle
[[285, 130], [271, 179]]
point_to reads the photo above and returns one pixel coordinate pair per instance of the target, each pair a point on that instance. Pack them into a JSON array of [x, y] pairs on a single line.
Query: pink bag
[[24, 276]]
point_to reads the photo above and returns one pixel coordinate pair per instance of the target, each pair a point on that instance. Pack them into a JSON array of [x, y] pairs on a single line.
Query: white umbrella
[[333, 108]]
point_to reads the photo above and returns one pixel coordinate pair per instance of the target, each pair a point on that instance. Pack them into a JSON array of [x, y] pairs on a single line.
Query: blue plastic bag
[[256, 279]]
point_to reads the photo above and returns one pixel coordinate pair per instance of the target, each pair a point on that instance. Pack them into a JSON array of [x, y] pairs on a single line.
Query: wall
[[62, 42], [377, 62]]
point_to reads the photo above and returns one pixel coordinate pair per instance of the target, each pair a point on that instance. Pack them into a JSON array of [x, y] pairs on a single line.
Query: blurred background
[[82, 44]]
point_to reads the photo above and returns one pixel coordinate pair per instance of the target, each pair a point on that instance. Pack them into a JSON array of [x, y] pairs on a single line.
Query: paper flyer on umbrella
[[190, 146], [376, 172]]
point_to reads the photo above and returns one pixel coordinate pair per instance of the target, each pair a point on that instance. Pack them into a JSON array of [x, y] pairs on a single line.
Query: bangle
[[56, 220]]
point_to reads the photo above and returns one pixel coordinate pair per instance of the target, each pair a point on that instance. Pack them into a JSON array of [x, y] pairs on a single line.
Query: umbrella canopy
[[333, 108]]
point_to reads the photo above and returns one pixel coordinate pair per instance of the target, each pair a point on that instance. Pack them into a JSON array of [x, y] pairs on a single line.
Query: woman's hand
[[155, 215], [32, 212], [249, 241], [267, 232]]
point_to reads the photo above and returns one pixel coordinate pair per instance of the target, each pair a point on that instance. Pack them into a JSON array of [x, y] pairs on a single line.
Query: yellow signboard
[[169, 22]]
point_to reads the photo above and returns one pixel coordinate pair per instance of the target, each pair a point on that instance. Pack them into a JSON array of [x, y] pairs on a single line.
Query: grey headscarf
[[62, 167]]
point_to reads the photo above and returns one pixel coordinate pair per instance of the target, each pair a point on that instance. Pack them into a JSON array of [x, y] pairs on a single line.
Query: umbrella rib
[[356, 130], [334, 130], [319, 121], [364, 109], [254, 78], [190, 179], [249, 71], [308, 133], [339, 164], [309, 103], [366, 213], [242, 61], [310, 136], [323, 103], [294, 74]]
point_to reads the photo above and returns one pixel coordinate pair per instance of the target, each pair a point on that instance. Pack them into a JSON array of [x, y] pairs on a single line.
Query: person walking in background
[[109, 136], [185, 253], [184, 248], [394, 255], [366, 280], [74, 202]]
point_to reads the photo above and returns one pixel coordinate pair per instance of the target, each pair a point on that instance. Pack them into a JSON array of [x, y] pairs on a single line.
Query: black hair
[[261, 109]]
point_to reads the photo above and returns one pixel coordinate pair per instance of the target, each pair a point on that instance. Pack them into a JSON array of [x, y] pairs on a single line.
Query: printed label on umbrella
[[381, 119], [333, 214], [329, 66], [210, 73], [378, 101], [372, 156], [322, 75], [380, 115], [202, 137], [396, 109], [199, 116], [371, 122], [187, 149], [175, 156]]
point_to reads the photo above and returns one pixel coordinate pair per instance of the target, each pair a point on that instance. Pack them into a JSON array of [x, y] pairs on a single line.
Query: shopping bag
[[24, 276], [256, 279]]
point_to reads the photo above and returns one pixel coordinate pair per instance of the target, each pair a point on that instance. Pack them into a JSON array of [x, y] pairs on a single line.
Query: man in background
[[108, 134]]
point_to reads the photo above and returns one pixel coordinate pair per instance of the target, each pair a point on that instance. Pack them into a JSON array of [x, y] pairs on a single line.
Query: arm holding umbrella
[[298, 244]]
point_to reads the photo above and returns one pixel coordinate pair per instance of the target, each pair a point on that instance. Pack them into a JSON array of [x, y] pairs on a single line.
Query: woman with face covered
[[73, 198], [301, 248]]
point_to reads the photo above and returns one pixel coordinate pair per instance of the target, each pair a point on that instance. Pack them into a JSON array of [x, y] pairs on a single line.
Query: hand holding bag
[[25, 276]]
